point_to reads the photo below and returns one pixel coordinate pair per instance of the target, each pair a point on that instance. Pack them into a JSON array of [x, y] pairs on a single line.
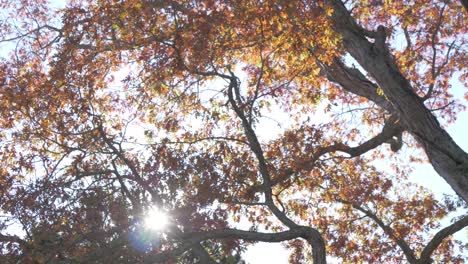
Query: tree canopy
[[111, 108]]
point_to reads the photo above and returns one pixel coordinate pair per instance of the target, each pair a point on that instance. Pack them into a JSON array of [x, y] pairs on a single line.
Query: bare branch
[[465, 4], [390, 130], [315, 239], [434, 71], [440, 236], [13, 239], [307, 233], [447, 158], [387, 229], [352, 80]]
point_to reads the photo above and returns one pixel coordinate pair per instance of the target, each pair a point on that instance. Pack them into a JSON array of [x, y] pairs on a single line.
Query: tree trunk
[[447, 158]]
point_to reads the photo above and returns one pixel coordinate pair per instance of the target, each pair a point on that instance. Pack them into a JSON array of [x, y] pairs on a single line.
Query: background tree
[[111, 108]]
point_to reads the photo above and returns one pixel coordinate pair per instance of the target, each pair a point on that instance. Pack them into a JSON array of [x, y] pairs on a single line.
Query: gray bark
[[465, 4], [447, 158]]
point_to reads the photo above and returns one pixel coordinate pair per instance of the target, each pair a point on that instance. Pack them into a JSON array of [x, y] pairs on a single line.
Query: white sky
[[274, 253], [424, 175]]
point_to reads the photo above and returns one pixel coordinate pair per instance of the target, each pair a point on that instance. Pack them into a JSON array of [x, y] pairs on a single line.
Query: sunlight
[[156, 219]]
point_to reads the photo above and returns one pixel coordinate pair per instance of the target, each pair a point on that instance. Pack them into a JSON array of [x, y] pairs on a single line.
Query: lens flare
[[156, 219]]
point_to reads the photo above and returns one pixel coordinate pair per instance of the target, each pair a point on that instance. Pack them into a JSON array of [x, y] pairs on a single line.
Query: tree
[[110, 108]]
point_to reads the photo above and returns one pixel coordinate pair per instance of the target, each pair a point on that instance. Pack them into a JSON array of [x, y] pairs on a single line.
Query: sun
[[155, 219]]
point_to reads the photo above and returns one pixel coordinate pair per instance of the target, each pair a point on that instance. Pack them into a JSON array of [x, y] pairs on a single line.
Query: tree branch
[[440, 236], [387, 229], [352, 80], [307, 233], [448, 159], [390, 130], [313, 237], [13, 239], [465, 4]]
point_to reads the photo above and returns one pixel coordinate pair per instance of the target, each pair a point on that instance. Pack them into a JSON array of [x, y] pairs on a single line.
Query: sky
[[274, 253], [424, 174]]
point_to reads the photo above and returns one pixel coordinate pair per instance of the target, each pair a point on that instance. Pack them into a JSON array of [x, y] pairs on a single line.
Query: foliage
[[109, 108]]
